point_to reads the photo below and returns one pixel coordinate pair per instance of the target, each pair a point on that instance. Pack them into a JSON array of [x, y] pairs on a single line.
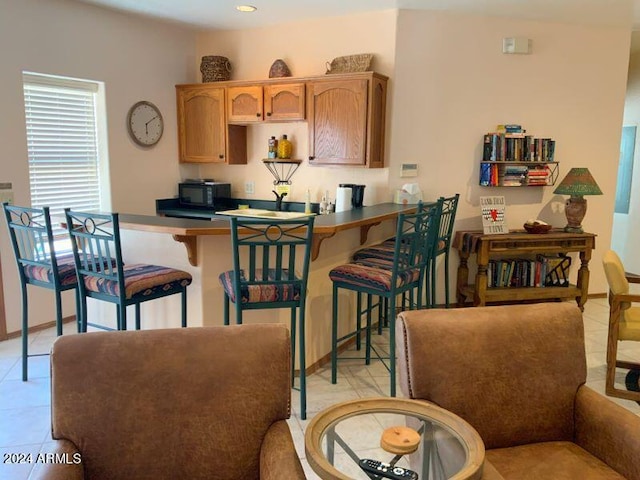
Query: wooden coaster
[[400, 440]]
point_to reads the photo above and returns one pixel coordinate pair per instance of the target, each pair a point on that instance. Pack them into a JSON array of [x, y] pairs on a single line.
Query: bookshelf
[[511, 158], [519, 244]]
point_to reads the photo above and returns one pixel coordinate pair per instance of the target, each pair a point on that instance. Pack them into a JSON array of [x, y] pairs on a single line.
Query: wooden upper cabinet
[[284, 102], [203, 135], [270, 103], [245, 104], [346, 120]]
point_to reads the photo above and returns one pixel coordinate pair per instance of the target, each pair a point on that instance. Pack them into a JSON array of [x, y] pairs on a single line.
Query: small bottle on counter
[[273, 147], [285, 148], [307, 202], [323, 206]]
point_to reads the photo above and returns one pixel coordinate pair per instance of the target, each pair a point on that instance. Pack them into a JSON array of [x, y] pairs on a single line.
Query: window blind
[[62, 142]]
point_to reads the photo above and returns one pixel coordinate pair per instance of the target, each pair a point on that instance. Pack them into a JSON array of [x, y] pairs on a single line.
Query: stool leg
[[358, 320], [446, 278], [25, 334], [368, 331], [184, 308], [293, 344], [380, 315], [334, 336], [78, 310], [58, 313], [137, 316], [122, 316], [226, 308], [303, 364], [433, 283], [392, 345]]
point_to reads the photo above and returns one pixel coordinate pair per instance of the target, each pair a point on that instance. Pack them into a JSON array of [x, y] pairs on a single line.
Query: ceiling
[[221, 14]]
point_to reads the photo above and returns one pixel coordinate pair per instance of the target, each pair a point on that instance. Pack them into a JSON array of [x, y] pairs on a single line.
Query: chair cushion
[[385, 250], [66, 271], [263, 292], [372, 273], [141, 280], [556, 460], [630, 326]]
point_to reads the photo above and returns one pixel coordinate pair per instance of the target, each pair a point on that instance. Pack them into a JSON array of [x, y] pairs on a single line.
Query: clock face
[[145, 123]]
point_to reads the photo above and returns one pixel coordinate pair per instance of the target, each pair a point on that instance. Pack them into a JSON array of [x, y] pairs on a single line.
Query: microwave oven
[[203, 194]]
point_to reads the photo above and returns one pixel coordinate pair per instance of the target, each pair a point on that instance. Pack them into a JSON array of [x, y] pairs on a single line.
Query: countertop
[[186, 230]]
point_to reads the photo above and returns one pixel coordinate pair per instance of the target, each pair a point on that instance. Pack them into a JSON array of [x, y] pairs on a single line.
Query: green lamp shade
[[578, 182]]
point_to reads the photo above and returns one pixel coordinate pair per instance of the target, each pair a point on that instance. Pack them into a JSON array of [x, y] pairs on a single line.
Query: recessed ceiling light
[[246, 8]]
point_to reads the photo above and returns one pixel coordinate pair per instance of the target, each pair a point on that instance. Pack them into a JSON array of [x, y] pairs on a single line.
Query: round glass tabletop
[[343, 442]]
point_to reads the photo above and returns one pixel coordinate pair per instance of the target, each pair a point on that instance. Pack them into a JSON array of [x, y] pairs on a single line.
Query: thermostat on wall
[[409, 170]]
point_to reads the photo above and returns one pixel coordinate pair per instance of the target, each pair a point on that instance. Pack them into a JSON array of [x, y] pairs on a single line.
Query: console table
[[519, 243]]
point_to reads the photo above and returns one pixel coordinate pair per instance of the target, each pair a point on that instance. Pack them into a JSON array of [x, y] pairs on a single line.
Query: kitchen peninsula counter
[[187, 230], [150, 239]]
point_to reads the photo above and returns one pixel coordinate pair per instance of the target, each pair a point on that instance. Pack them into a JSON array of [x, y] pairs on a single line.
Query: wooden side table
[[519, 243]]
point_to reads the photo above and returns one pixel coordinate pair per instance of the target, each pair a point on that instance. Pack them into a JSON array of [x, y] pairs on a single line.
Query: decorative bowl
[[537, 228]]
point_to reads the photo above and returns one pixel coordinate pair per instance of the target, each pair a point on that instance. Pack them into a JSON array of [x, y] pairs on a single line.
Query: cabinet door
[[284, 102], [337, 116], [245, 104], [201, 124]]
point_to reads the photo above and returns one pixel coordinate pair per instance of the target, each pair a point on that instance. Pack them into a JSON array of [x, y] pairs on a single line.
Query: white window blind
[[62, 142]]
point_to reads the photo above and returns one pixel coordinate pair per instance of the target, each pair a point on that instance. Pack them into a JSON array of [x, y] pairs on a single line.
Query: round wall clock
[[145, 123]]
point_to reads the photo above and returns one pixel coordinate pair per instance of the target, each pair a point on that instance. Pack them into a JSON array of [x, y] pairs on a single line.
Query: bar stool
[[97, 253], [386, 279], [38, 264], [443, 245], [265, 254]]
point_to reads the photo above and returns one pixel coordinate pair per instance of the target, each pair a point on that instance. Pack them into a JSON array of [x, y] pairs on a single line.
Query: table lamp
[[577, 183]]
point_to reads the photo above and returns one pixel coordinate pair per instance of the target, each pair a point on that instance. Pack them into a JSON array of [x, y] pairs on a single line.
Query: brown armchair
[[516, 373], [624, 321], [190, 403]]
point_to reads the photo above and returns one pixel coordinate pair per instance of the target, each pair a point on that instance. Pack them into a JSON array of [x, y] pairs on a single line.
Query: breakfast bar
[[157, 239]]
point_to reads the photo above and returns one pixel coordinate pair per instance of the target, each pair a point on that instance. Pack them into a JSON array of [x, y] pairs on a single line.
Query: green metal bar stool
[[265, 256], [386, 279], [443, 245], [38, 264], [103, 276]]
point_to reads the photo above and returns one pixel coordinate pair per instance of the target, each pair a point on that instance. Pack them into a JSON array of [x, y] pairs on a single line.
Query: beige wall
[[626, 237], [450, 84], [137, 59]]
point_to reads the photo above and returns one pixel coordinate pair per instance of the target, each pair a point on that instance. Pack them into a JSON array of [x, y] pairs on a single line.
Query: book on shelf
[[516, 147], [543, 271]]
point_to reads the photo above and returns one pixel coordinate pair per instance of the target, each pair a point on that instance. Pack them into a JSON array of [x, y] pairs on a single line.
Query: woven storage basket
[[215, 68], [350, 63]]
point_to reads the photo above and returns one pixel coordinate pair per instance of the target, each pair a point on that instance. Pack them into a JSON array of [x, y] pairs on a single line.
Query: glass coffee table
[[395, 438]]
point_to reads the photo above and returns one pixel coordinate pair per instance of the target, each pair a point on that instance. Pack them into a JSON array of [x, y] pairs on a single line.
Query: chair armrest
[[632, 277], [61, 467], [608, 431], [278, 457], [624, 297]]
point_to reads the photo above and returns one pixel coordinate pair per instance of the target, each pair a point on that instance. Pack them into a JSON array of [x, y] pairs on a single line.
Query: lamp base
[[575, 210]]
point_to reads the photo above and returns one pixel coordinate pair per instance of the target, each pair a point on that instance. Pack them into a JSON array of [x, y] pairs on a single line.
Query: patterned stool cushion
[[372, 273], [264, 292], [141, 280], [385, 250], [66, 271]]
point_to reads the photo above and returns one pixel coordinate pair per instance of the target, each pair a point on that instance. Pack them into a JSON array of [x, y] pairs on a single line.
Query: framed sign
[[493, 210]]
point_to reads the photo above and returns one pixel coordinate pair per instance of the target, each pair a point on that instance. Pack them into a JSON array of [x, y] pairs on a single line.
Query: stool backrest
[[416, 236], [268, 251], [96, 247], [32, 240], [447, 219]]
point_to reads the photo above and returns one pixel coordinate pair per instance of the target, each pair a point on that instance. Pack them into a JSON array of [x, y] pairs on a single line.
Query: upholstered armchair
[[196, 403], [516, 373]]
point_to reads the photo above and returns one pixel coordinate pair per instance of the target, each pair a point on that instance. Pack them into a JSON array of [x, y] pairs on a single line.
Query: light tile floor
[[25, 406]]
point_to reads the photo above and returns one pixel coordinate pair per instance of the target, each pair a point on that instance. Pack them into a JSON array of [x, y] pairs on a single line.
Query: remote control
[[384, 470]]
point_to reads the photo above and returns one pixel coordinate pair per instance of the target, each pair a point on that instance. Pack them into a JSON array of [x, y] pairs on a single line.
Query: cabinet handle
[[221, 156], [268, 114], [312, 158], [258, 114]]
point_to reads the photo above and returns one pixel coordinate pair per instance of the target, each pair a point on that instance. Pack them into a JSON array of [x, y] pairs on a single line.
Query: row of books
[[492, 175], [543, 271], [517, 147]]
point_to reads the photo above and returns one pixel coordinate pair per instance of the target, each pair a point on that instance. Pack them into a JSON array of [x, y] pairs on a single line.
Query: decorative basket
[[215, 68], [279, 69], [541, 228], [350, 63]]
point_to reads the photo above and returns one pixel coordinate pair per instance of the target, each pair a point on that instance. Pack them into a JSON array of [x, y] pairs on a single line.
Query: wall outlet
[[249, 188]]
